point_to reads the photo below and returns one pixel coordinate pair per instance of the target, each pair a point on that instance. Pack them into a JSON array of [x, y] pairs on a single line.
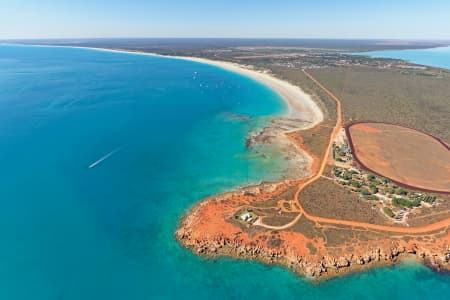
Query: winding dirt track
[[443, 224]]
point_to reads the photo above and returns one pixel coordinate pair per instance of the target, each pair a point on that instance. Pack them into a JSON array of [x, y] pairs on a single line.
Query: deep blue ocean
[[159, 134], [435, 57]]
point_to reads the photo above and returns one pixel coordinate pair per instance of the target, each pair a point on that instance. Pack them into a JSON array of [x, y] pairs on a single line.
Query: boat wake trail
[[95, 163]]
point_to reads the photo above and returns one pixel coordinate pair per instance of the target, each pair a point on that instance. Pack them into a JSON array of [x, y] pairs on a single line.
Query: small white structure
[[247, 217]]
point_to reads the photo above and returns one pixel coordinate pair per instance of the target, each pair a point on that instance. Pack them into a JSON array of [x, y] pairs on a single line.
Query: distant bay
[[102, 153], [434, 57]]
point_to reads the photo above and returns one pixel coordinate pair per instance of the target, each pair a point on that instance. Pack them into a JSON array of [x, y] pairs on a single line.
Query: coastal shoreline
[[308, 115], [224, 238], [210, 229], [226, 241], [300, 105]]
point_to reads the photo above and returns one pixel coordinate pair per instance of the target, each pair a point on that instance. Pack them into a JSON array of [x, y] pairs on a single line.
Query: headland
[[288, 223]]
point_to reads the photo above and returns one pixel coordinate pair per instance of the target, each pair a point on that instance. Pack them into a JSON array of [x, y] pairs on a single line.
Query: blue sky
[[225, 18]]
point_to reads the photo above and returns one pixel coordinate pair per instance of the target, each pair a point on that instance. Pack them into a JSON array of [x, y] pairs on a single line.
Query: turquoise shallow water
[[73, 232], [435, 57]]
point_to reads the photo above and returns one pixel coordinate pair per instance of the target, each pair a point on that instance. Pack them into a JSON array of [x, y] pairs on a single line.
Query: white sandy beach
[[300, 105]]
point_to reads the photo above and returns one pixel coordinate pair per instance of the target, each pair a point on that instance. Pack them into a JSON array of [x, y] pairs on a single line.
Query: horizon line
[[233, 38]]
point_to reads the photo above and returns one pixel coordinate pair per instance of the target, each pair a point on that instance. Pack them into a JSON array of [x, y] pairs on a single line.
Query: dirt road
[[443, 224]]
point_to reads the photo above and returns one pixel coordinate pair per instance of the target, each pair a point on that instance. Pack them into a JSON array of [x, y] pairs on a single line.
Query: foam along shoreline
[[300, 105]]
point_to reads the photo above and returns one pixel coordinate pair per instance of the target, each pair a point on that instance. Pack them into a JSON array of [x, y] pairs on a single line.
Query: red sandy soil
[[404, 155], [311, 245], [296, 139]]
